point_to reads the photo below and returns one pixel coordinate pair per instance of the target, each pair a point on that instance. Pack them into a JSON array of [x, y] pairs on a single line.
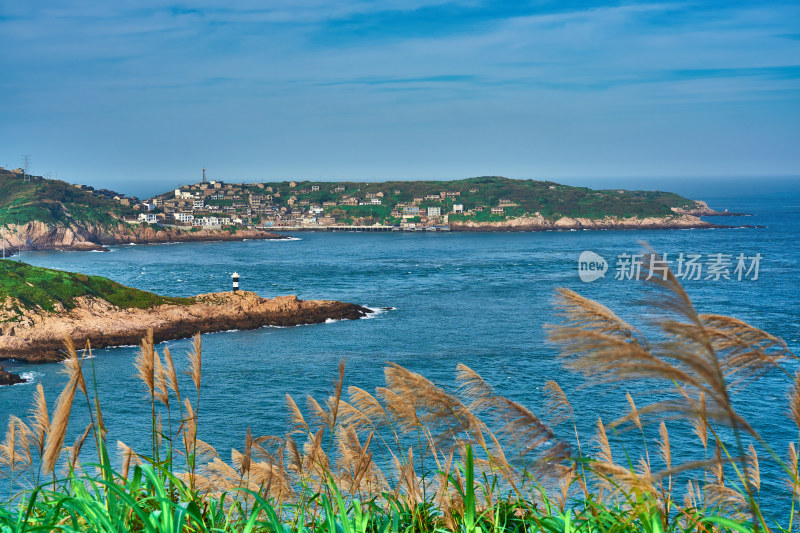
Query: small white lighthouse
[[235, 278]]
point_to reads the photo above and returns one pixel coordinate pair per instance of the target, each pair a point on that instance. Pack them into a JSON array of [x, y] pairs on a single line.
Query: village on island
[[219, 210], [302, 206]]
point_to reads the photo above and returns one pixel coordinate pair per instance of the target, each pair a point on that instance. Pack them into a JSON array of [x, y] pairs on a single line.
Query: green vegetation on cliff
[[53, 202], [36, 287]]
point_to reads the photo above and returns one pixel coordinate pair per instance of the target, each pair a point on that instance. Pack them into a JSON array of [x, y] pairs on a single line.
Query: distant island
[[39, 307], [476, 204], [38, 213]]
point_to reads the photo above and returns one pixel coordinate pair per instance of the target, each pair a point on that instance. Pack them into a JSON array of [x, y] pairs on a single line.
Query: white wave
[[29, 377], [214, 333], [331, 320], [287, 239], [82, 355], [376, 311]]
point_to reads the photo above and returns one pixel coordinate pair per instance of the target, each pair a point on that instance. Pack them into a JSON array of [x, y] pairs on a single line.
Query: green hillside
[[42, 288], [53, 202], [550, 199]]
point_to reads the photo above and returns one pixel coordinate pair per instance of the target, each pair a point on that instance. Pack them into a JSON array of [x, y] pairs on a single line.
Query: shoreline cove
[[38, 236]]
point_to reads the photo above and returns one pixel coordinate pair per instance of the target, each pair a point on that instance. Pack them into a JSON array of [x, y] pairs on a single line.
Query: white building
[[458, 208], [198, 204], [212, 221], [183, 217], [183, 195], [375, 201], [434, 211], [150, 218]]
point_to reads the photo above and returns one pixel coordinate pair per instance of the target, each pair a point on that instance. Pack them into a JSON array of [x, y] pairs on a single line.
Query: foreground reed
[[412, 456]]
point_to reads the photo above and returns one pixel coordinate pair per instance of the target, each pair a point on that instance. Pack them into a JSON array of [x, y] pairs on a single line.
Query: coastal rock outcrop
[[39, 336], [703, 210], [9, 378]]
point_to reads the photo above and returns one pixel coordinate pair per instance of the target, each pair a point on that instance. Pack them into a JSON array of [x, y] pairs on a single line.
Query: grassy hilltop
[[53, 202], [548, 198], [42, 288], [350, 201], [57, 203]]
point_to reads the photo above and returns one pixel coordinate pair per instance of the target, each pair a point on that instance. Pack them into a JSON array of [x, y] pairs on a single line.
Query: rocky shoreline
[[38, 336], [40, 236], [539, 223]]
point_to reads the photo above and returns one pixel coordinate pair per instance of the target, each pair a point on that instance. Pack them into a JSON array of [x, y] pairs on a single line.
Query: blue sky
[[141, 95]]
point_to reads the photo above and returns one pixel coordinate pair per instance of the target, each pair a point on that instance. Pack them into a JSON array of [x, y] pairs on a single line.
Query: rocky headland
[[702, 209], [36, 335]]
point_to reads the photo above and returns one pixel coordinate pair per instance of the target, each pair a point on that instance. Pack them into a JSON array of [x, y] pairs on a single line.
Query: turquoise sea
[[476, 298]]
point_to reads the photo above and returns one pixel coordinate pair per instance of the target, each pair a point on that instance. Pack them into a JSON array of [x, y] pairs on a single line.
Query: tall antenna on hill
[[26, 167], [204, 175]]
